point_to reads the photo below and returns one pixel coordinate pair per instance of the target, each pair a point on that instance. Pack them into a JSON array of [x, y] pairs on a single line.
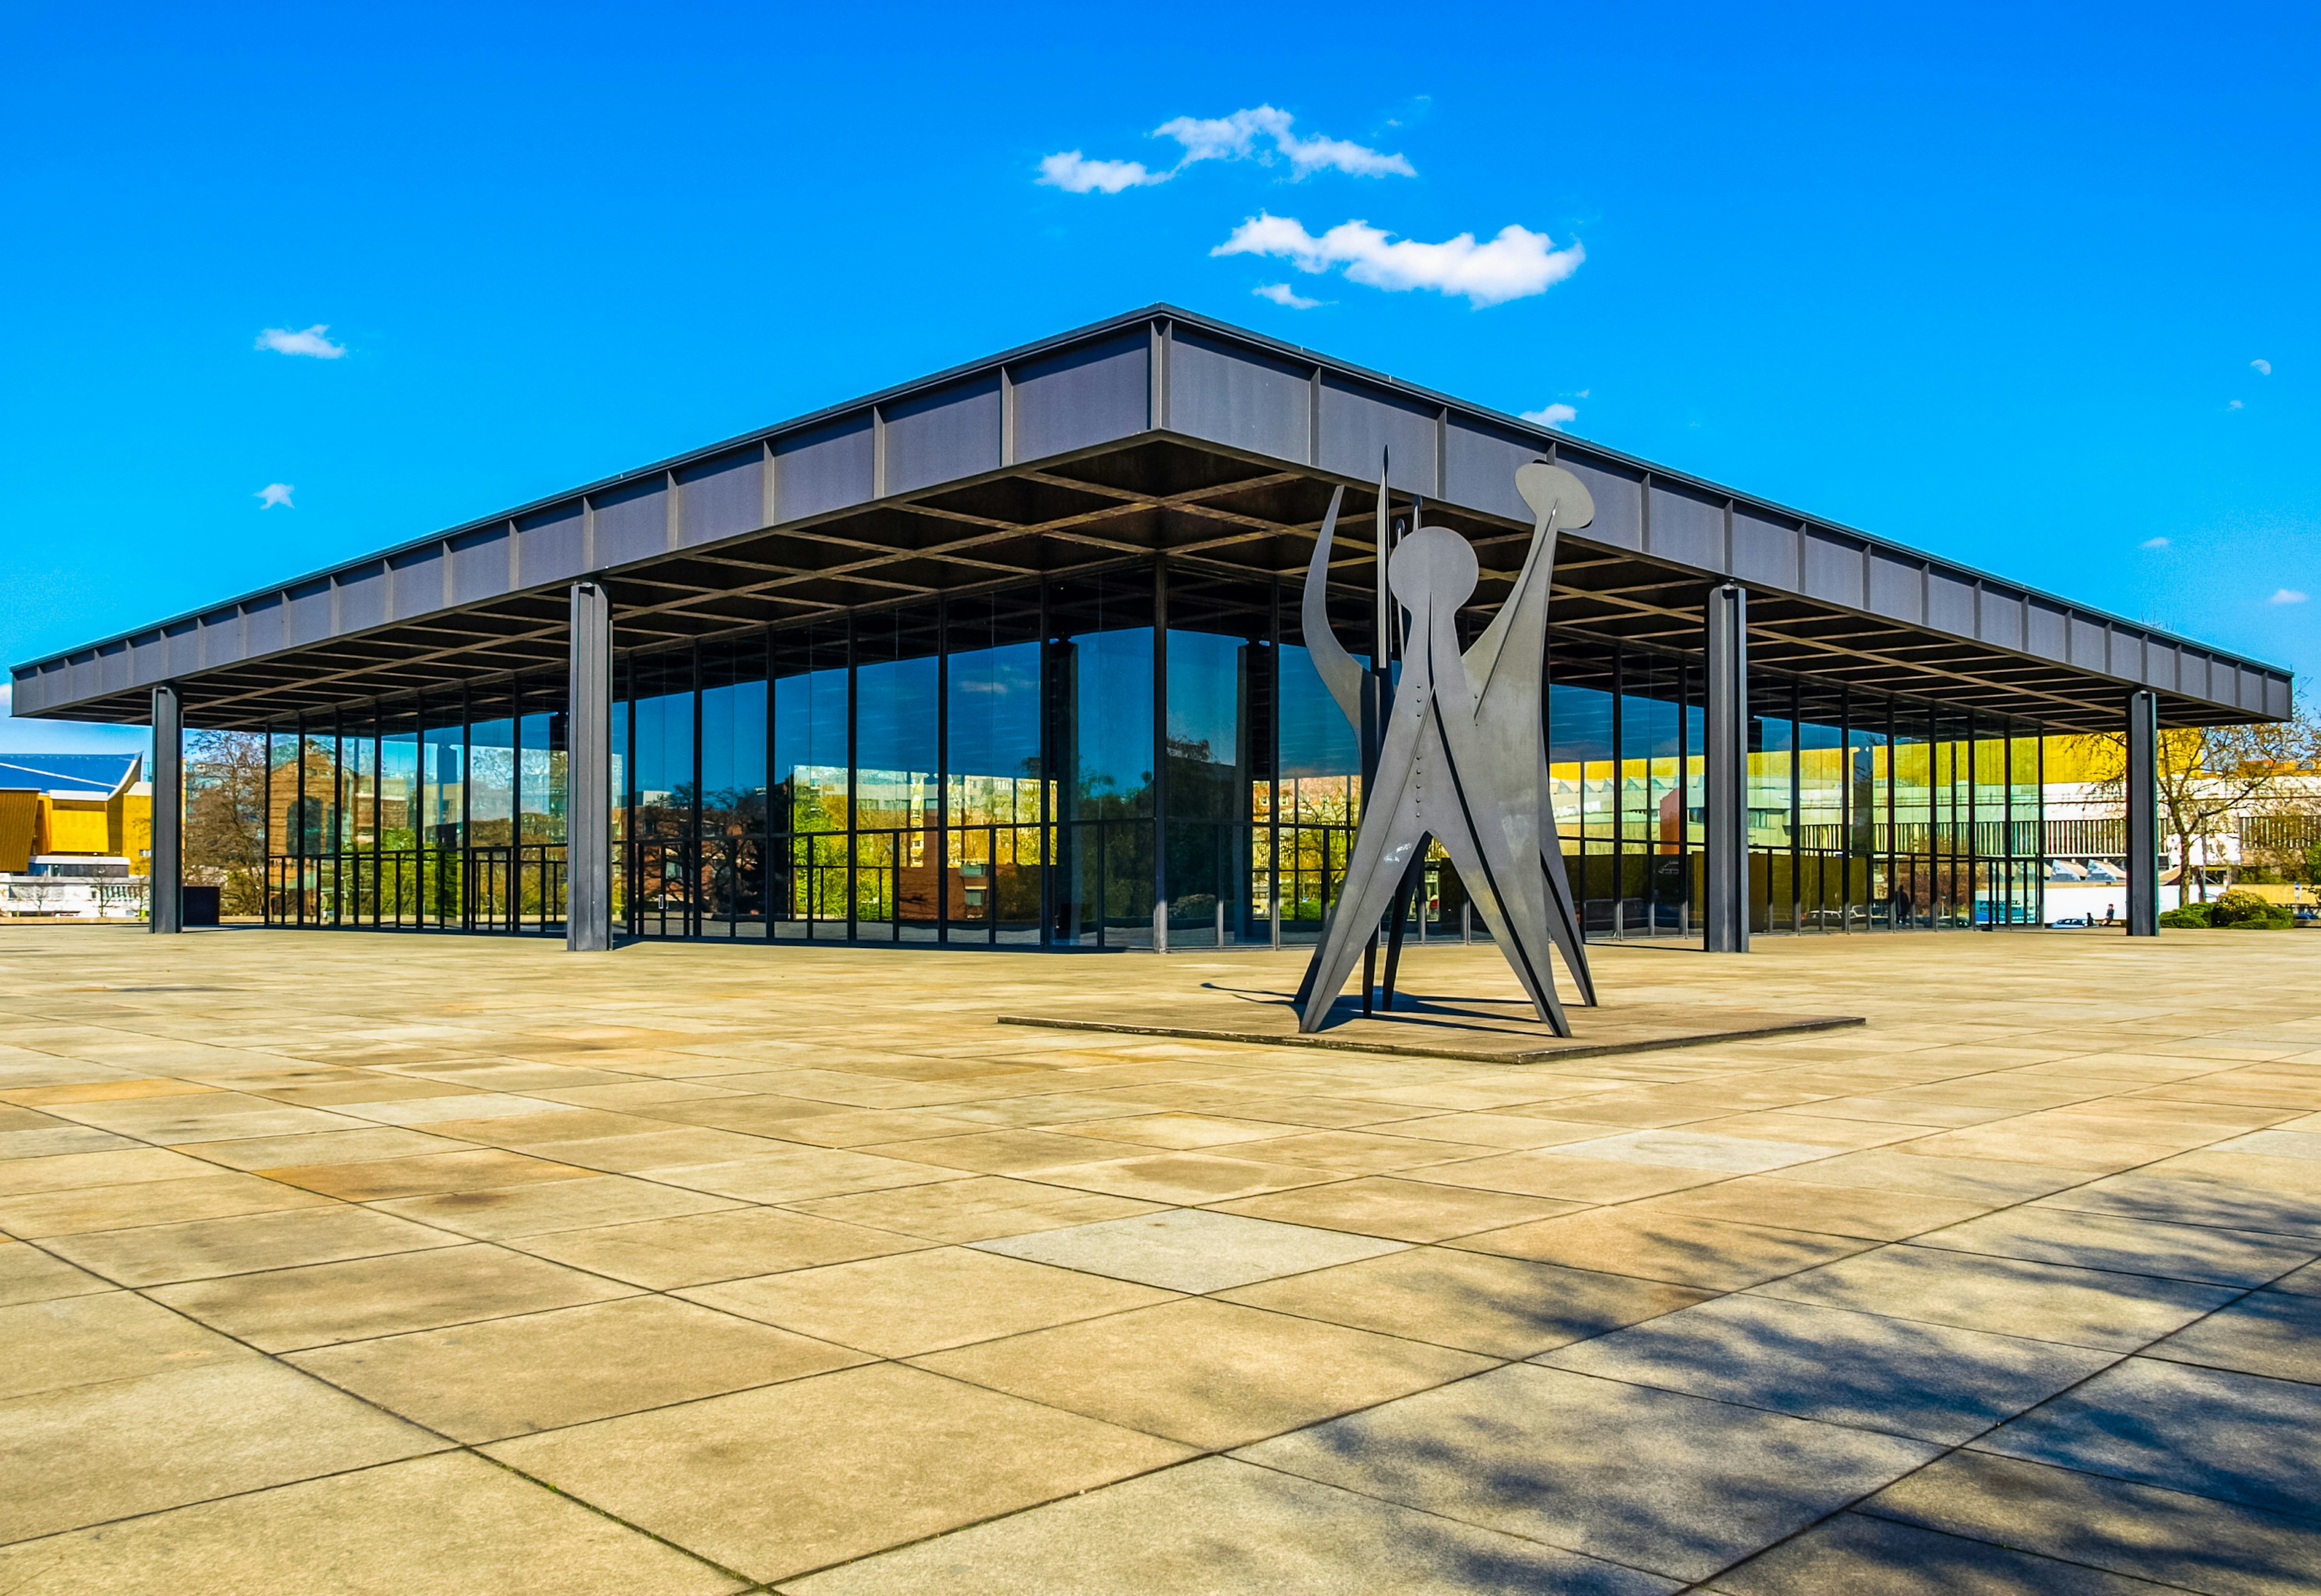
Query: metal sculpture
[[1458, 757]]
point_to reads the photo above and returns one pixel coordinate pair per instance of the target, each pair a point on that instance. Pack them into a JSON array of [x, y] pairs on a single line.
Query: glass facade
[[1047, 765]]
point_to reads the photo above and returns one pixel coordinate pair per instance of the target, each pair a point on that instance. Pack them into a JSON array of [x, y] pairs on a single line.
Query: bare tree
[[225, 817], [2211, 776]]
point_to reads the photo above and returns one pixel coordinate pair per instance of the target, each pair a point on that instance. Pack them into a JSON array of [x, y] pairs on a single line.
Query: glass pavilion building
[[1013, 657]]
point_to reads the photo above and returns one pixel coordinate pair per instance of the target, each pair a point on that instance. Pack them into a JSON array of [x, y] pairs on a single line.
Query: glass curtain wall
[[1872, 813], [444, 811], [1625, 737], [1045, 764]]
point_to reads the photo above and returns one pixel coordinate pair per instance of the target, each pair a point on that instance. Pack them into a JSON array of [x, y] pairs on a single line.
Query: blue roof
[[78, 773]]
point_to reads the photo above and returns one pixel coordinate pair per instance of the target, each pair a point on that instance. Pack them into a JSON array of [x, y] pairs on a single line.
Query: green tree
[[225, 817]]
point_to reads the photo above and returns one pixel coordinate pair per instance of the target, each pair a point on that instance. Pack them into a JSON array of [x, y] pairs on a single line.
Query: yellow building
[[74, 815]]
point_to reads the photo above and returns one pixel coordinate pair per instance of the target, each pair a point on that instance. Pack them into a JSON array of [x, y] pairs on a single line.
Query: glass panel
[[1772, 764], [1582, 772], [810, 728], [541, 777], [624, 794], [1105, 670], [665, 861], [1208, 757], [733, 738], [1319, 788], [808, 796], [318, 809], [358, 777], [491, 782], [443, 775], [992, 783], [1215, 649], [397, 892], [733, 789], [896, 804], [1989, 776], [1102, 671], [2024, 840], [1655, 883], [1696, 756]]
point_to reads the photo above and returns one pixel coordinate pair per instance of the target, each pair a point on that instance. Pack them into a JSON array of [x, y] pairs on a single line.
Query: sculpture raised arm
[[1503, 673], [1337, 669]]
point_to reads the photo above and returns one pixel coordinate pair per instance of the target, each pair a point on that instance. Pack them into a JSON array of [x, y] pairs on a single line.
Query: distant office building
[[1011, 655]]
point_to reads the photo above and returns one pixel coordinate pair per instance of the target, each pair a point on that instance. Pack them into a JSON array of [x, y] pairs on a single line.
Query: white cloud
[[1515, 265], [2261, 368], [1261, 134], [2234, 404], [283, 342], [2153, 543], [7, 699], [1223, 138], [1282, 294], [1075, 174], [1557, 416], [2285, 595], [273, 494]]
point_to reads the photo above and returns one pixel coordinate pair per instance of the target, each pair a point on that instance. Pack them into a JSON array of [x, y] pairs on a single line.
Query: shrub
[[2241, 907], [2192, 917]]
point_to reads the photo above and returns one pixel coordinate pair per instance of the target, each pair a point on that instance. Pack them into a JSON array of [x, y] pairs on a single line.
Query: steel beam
[[588, 775], [1725, 913], [2143, 814], [165, 877]]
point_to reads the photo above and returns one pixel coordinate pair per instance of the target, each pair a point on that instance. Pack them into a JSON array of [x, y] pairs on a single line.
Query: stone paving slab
[[335, 1263]]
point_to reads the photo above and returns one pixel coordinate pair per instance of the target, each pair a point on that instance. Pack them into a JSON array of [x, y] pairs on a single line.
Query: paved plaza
[[390, 1264]]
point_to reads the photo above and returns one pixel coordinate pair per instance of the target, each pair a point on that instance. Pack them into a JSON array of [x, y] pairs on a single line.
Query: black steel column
[[853, 814], [943, 786], [165, 893], [1159, 755], [1726, 913], [1049, 850], [589, 775], [2143, 814]]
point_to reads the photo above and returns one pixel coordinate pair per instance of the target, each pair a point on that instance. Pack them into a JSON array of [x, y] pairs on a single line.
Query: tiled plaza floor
[[358, 1263]]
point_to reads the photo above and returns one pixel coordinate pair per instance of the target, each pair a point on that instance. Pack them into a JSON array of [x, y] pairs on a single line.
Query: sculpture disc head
[[1544, 487], [1432, 564]]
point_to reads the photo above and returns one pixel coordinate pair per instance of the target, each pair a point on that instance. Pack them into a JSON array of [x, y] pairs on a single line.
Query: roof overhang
[[1155, 432]]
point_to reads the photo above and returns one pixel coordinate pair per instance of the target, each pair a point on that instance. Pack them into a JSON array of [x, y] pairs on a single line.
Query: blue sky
[[2004, 289]]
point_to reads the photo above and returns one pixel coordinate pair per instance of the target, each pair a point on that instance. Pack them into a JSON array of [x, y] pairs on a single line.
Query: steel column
[[1726, 911], [165, 892], [1160, 755], [2143, 814], [588, 775]]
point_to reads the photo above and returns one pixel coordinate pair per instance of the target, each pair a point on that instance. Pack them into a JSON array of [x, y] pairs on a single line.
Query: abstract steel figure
[[1460, 756]]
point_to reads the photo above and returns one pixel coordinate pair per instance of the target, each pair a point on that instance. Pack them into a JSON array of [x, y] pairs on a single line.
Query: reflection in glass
[[810, 767], [993, 787], [1102, 664], [897, 806], [491, 783]]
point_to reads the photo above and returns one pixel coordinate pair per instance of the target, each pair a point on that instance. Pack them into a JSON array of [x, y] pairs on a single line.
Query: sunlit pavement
[[375, 1262]]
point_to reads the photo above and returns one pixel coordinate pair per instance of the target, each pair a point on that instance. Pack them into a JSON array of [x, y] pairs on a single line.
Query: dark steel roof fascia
[[1091, 332]]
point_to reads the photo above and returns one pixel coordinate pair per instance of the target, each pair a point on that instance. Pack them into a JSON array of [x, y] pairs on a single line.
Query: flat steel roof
[[1158, 431]]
